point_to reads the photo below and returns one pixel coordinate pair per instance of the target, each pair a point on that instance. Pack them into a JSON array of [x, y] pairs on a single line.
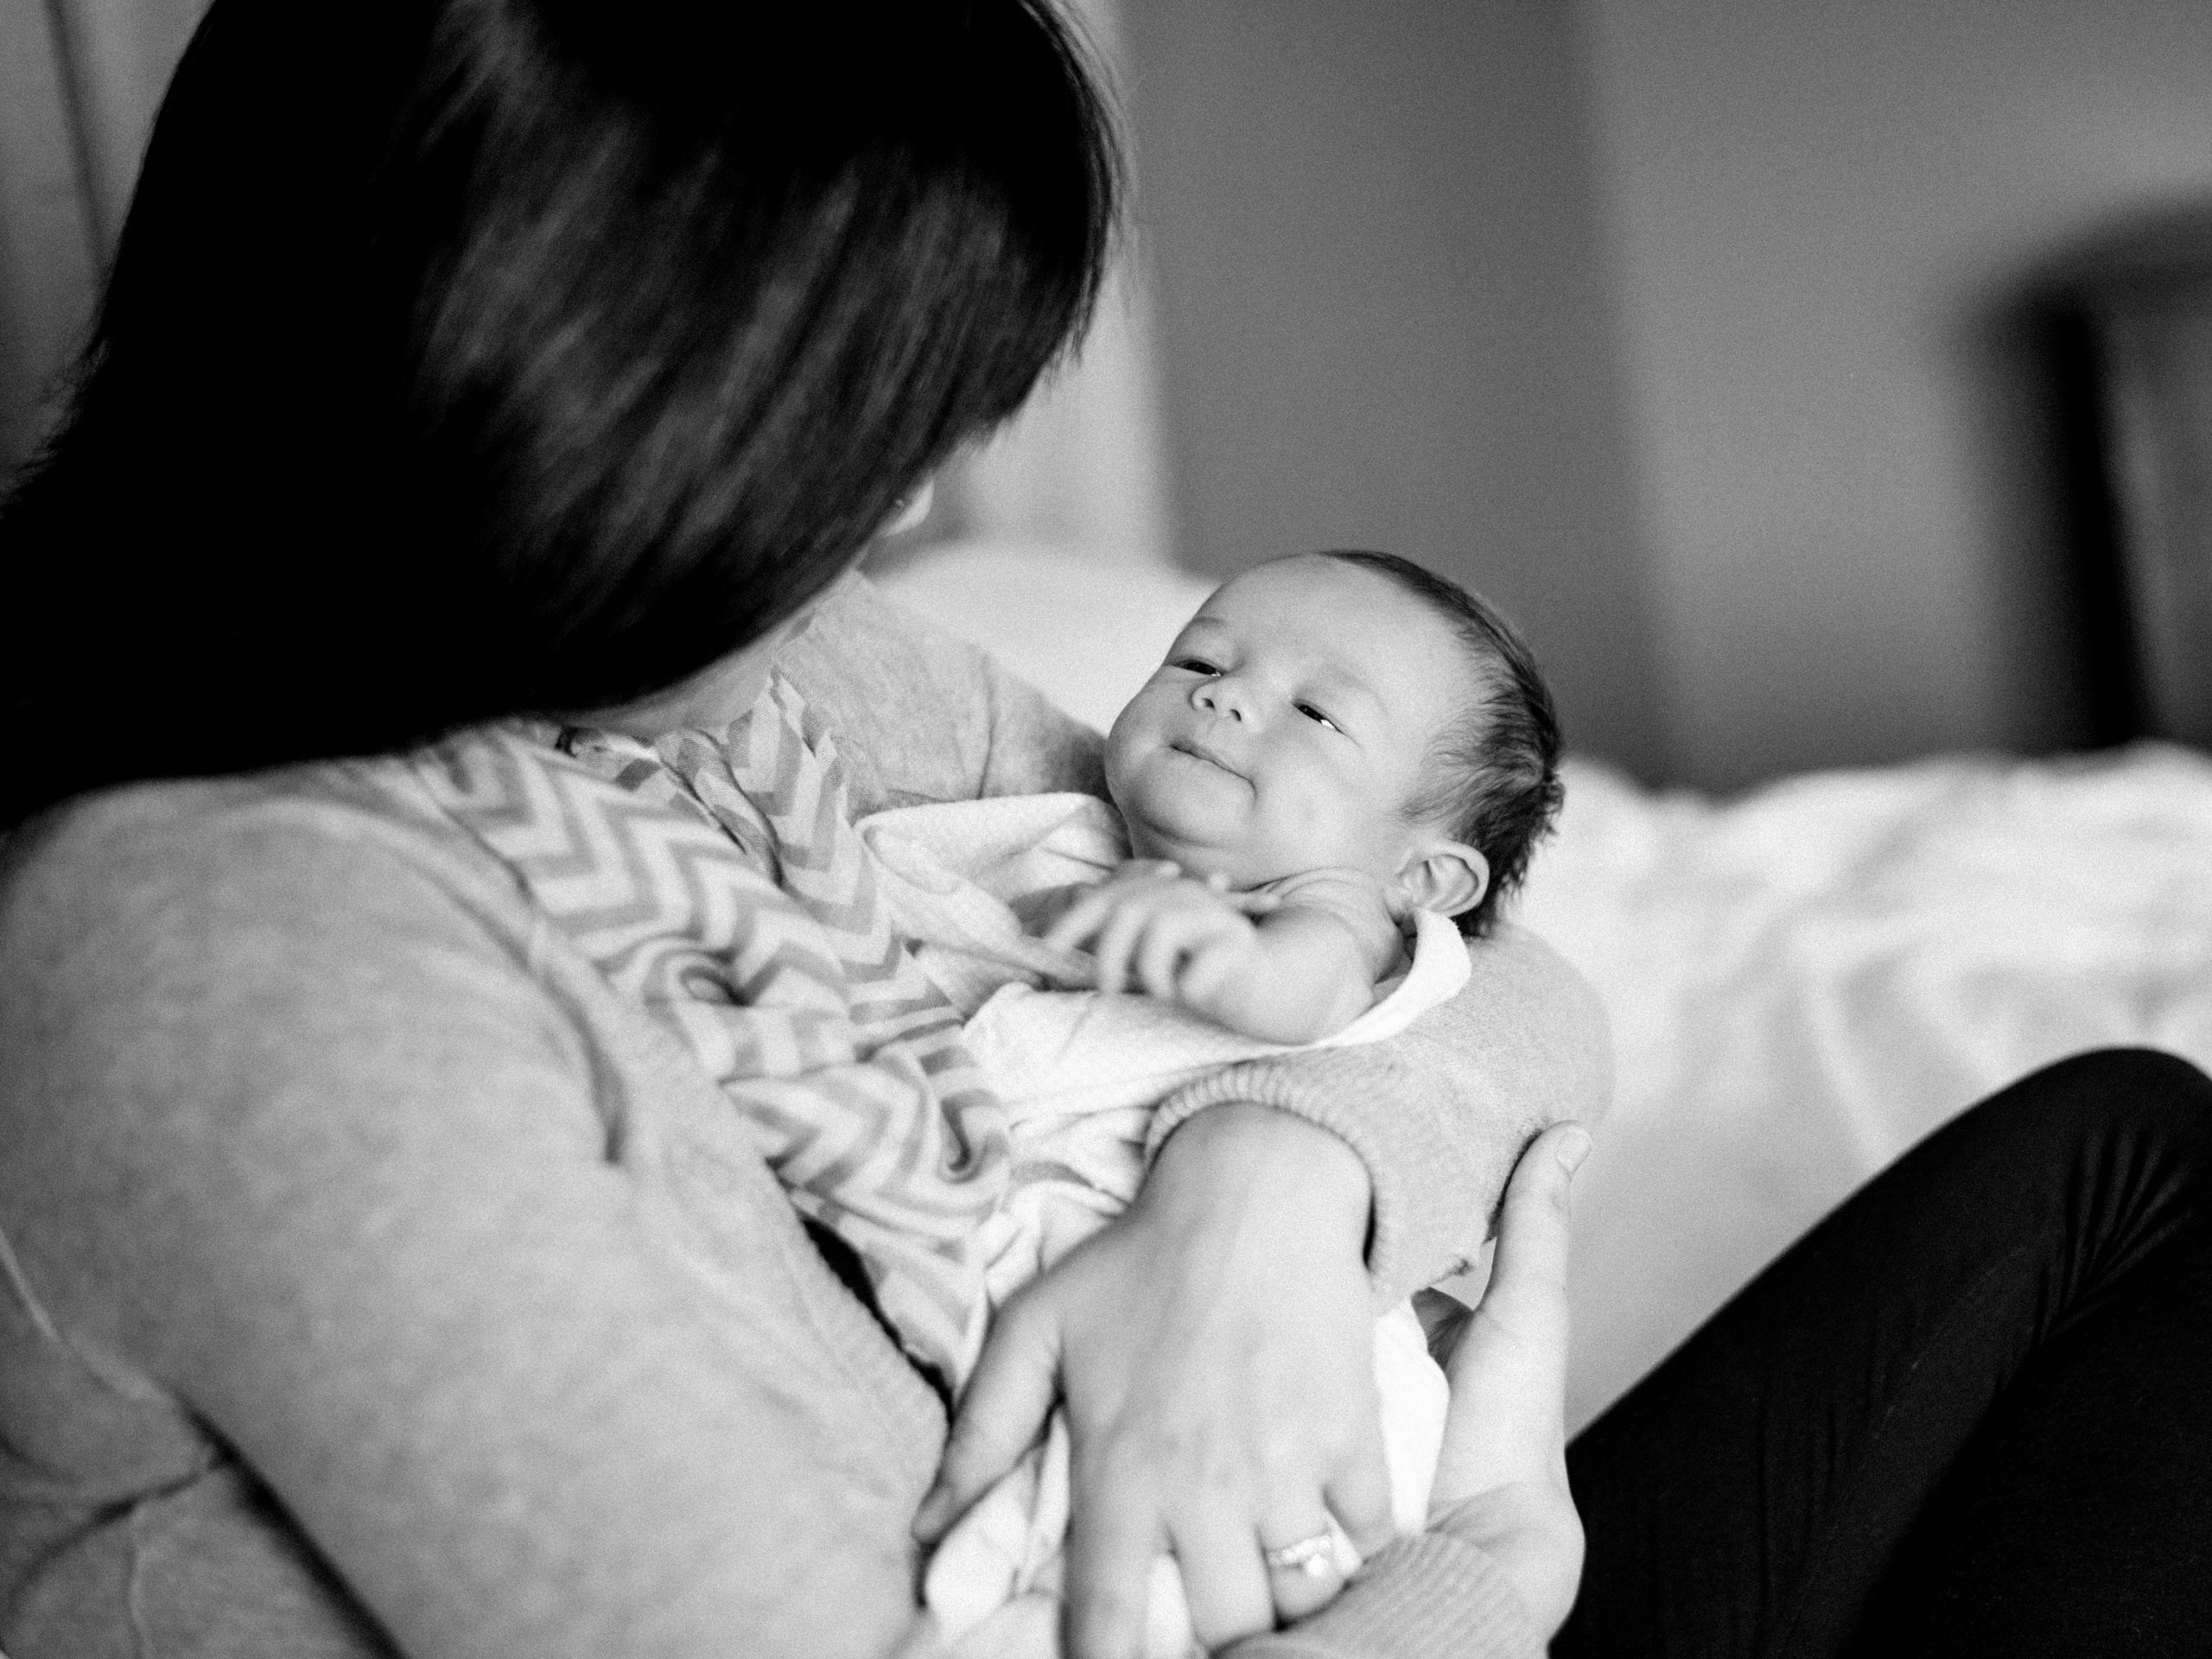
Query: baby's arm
[[1289, 963], [1304, 977]]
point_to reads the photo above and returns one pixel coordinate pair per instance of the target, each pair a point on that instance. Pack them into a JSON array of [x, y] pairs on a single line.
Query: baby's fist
[[1150, 926]]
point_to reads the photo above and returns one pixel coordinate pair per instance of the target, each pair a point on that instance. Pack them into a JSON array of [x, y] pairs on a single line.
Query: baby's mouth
[[1199, 750]]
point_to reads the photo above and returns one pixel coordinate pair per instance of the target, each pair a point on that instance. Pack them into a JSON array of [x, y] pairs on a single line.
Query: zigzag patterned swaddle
[[719, 882]]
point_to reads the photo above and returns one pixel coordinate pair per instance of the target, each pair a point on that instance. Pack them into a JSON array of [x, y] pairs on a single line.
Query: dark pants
[[1971, 1413]]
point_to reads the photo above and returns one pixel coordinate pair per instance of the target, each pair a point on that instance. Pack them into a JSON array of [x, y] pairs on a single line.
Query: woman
[[484, 390]]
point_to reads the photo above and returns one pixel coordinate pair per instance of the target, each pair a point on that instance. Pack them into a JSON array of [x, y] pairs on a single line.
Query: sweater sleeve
[[1441, 1113], [301, 1157], [1424, 1596], [920, 717]]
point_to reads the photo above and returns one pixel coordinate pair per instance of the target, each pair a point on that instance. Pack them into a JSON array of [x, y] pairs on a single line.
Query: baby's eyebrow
[[1200, 627], [1336, 682]]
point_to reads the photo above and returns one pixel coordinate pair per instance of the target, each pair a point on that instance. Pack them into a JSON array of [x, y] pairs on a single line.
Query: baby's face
[[1288, 726]]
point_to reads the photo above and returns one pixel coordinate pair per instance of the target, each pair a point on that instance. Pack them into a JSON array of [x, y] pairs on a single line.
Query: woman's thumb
[[1527, 1291], [1539, 1205], [1001, 1411]]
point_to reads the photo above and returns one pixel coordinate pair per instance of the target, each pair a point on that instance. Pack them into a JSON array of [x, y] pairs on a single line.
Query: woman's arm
[[1440, 1114], [303, 1153]]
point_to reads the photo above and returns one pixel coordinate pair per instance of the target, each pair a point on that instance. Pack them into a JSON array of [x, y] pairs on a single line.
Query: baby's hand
[[1178, 938]]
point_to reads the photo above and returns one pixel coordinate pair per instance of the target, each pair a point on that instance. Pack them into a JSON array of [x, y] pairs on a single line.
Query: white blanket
[[1804, 982], [1080, 1072]]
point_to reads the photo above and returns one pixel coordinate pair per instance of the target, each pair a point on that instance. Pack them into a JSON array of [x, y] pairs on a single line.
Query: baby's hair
[[1495, 768]]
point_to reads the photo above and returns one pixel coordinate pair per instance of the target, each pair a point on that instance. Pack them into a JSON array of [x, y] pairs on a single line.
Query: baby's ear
[[1445, 876]]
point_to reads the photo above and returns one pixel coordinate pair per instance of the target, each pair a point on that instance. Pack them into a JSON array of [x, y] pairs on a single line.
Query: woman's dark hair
[[1494, 780], [463, 359]]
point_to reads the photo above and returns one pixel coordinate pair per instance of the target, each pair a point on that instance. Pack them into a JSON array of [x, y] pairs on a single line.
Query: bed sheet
[[1805, 982]]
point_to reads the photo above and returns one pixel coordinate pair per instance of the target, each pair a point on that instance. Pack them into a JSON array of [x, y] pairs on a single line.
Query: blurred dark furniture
[[2137, 360]]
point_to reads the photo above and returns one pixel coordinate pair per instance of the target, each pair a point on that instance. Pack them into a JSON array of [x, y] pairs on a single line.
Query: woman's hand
[[1501, 1482], [1215, 1347]]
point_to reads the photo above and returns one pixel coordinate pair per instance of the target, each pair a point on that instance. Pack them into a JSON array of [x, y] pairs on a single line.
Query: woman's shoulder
[[314, 851], [920, 715], [251, 922]]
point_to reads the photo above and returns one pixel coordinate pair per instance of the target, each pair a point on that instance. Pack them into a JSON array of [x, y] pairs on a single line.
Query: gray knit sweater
[[373, 1279]]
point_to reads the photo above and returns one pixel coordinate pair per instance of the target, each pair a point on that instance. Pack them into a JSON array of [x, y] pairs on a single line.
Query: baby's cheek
[[1117, 778]]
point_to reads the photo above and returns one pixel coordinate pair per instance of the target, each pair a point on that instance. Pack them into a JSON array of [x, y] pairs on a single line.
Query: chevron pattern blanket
[[718, 881]]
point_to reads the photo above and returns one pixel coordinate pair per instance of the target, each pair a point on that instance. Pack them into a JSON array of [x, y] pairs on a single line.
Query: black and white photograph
[[1105, 829]]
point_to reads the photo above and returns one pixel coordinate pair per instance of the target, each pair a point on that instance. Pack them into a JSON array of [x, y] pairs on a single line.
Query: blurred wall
[[1825, 217], [1696, 331], [1380, 297], [79, 81], [48, 248]]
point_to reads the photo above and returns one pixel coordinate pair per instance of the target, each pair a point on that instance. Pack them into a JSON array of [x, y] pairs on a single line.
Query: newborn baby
[[1342, 764], [1335, 742]]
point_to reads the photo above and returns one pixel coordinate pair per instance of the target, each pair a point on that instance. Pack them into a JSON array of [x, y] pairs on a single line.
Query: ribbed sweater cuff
[[1424, 1596], [1355, 1094]]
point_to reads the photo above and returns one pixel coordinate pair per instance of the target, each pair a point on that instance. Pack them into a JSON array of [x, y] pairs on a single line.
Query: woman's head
[[466, 358]]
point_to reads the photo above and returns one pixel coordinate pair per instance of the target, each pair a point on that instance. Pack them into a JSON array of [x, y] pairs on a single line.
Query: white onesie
[[1079, 1073]]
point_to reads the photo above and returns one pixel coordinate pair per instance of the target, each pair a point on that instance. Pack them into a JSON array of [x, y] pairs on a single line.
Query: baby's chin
[[1235, 863], [1197, 856], [1198, 821]]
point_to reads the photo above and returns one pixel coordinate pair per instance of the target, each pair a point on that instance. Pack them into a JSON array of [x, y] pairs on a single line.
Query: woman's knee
[[2140, 1102], [2112, 1082]]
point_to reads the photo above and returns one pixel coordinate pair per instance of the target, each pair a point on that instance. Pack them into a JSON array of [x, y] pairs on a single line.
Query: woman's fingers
[[1360, 1491], [1002, 1412], [1218, 1361], [1527, 1293], [1501, 1481], [1298, 1589], [1357, 1519], [1111, 1544], [1224, 1578], [1508, 1373]]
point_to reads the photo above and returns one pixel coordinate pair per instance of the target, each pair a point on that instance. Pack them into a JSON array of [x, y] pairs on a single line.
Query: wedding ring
[[1316, 1557]]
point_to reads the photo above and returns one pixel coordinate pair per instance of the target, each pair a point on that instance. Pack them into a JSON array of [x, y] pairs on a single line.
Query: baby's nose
[[1222, 696]]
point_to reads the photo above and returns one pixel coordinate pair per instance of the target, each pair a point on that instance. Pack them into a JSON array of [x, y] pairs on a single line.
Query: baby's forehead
[[1311, 603], [1308, 576], [1329, 621], [1280, 602]]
